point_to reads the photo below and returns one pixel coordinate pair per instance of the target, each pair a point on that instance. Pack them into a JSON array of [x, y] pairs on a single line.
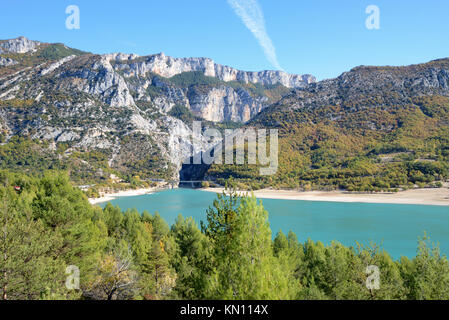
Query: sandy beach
[[439, 197], [105, 197]]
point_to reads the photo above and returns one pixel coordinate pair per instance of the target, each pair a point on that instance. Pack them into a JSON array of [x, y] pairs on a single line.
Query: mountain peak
[[18, 45]]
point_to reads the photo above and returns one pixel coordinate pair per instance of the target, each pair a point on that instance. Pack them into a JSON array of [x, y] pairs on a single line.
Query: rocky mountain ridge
[[168, 67], [124, 105], [367, 87], [215, 93]]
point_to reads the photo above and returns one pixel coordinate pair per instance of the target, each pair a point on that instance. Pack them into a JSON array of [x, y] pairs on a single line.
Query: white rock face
[[10, 94], [19, 45], [224, 102], [5, 62], [110, 84], [99, 79], [182, 142], [56, 65], [118, 56], [68, 136], [142, 125], [168, 67], [178, 140]]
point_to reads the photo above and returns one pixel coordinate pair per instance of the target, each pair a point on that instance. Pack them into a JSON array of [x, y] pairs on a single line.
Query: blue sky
[[320, 37]]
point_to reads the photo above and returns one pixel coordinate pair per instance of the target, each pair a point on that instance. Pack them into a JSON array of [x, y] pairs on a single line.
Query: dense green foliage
[[47, 225], [186, 79]]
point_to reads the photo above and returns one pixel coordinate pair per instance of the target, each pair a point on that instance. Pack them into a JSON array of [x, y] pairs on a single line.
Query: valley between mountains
[[123, 120]]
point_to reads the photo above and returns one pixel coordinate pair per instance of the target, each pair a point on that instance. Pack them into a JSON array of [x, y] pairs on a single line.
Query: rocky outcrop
[[53, 66], [118, 56], [405, 82], [225, 103], [367, 87], [5, 62], [94, 76], [168, 67], [19, 45]]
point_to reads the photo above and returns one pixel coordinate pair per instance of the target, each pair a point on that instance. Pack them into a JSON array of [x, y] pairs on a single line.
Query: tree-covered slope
[[371, 129]]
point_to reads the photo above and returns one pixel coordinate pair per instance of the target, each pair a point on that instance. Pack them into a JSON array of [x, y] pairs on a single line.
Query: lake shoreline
[[435, 197], [105, 197]]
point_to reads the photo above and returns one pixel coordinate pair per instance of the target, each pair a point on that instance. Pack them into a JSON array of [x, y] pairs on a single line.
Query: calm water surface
[[397, 227]]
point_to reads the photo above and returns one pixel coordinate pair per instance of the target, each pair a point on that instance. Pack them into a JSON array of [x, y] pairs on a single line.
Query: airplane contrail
[[252, 16]]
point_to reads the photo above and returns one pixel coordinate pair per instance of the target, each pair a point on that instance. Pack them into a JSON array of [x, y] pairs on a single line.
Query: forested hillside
[[48, 225], [371, 129]]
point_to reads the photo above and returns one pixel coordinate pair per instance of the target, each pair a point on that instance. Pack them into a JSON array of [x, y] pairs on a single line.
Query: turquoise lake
[[396, 227]]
